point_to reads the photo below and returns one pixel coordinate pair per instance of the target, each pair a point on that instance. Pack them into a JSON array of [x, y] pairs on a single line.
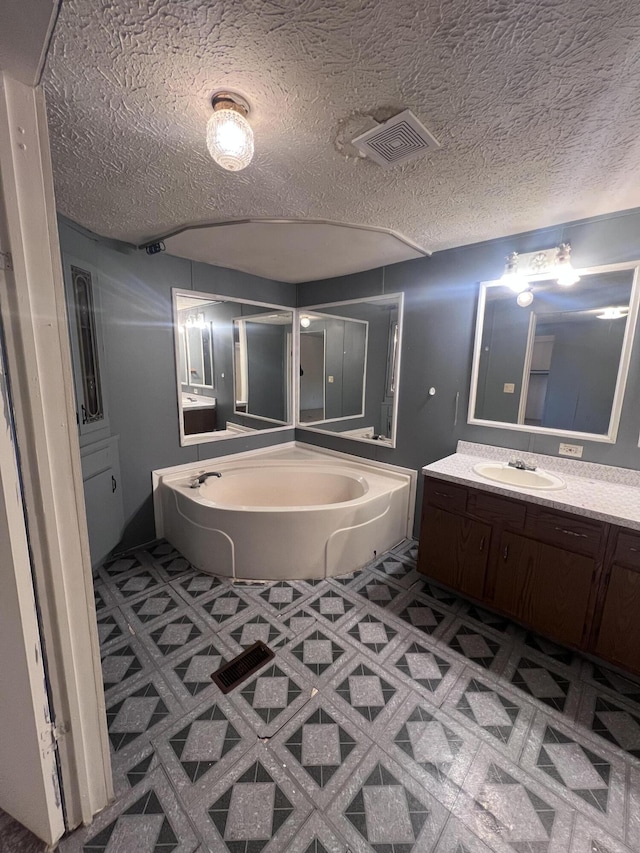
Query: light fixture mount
[[229, 134], [225, 100]]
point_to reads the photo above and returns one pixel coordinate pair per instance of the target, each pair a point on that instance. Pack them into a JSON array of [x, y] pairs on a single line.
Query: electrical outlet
[[574, 450], [509, 388]]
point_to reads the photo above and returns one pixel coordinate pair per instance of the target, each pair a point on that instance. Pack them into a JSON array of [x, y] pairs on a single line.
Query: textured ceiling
[[534, 103]]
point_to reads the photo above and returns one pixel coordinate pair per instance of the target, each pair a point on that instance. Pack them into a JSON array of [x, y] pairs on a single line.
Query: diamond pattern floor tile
[[254, 807], [395, 717], [431, 746], [581, 769], [271, 697], [383, 808], [320, 747], [508, 810], [148, 819], [200, 747]]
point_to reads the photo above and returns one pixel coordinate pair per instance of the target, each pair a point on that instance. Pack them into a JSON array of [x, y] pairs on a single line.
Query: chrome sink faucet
[[521, 465], [203, 478]]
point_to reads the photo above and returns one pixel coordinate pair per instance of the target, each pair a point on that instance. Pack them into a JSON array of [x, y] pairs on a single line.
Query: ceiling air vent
[[396, 141]]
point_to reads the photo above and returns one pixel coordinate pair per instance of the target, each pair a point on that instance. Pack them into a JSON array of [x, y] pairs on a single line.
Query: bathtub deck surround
[[437, 727], [291, 512]]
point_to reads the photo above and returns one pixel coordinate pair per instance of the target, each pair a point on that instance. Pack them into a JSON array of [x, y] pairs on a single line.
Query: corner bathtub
[[276, 514]]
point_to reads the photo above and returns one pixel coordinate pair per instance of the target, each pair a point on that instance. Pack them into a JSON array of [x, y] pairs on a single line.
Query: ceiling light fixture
[[525, 298], [565, 271], [511, 277], [229, 134], [614, 313]]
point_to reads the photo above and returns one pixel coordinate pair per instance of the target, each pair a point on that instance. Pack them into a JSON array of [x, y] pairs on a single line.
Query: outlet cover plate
[[574, 450]]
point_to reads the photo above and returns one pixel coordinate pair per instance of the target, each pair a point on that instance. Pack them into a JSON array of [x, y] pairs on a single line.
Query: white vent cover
[[397, 140]]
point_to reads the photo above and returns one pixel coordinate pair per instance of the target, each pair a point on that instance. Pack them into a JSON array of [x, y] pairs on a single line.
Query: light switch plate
[[329, 378], [574, 450], [509, 388]]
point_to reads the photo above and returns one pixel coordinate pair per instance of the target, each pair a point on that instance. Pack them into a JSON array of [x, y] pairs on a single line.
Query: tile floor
[[395, 717]]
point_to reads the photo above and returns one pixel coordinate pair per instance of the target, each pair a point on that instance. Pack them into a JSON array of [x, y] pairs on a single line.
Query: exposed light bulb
[[613, 313], [511, 278], [525, 298], [229, 134], [565, 271], [305, 322]]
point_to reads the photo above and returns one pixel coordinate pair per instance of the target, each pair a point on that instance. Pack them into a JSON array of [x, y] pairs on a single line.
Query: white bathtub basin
[[284, 514], [501, 472], [287, 489]]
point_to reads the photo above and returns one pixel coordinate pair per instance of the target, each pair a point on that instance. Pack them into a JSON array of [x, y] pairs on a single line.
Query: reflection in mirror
[[349, 365], [233, 366], [558, 364], [262, 366]]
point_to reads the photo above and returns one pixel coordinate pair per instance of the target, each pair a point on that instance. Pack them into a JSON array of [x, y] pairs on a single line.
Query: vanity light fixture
[[305, 321], [525, 298], [565, 271], [511, 277], [614, 313], [229, 134]]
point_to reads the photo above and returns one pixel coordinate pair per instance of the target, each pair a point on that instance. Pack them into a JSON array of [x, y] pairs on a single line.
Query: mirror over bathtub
[[350, 368], [234, 366]]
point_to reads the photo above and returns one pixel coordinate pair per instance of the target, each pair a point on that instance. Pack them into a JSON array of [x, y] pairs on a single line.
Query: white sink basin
[[500, 472]]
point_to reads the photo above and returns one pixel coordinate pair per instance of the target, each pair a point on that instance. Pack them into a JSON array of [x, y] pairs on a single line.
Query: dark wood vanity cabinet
[[573, 579], [618, 636]]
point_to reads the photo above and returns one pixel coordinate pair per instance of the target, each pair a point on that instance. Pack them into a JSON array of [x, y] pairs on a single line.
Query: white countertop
[[596, 491], [191, 401]]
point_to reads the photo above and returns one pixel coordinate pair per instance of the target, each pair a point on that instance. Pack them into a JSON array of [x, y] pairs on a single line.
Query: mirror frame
[[206, 437], [386, 297], [623, 366]]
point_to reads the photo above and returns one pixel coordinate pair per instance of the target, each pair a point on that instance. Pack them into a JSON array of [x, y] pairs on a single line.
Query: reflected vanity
[[349, 368], [233, 366], [558, 365]]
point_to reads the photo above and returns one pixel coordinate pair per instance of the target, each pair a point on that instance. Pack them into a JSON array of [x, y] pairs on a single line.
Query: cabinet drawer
[[496, 509], [574, 533], [445, 495], [627, 549]]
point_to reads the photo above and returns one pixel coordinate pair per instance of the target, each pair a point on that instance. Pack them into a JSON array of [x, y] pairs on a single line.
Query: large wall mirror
[[349, 368], [233, 366], [559, 364]]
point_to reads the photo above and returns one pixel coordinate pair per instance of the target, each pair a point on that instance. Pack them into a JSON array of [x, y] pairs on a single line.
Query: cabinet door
[[619, 637], [544, 586], [454, 550], [104, 513]]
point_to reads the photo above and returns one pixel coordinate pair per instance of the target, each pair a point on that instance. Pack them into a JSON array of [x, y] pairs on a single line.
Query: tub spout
[[203, 478]]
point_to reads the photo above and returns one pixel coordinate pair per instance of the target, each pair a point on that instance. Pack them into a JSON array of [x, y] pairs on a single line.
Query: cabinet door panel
[[619, 637], [558, 597], [544, 586], [454, 550], [104, 513]]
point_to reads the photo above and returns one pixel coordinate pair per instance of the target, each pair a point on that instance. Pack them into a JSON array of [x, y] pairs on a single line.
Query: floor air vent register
[[241, 667]]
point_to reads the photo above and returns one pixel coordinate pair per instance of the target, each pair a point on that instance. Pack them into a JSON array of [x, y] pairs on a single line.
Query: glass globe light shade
[[305, 322], [525, 298], [230, 139]]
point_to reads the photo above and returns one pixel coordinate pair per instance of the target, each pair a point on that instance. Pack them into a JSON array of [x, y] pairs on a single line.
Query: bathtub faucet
[[203, 477]]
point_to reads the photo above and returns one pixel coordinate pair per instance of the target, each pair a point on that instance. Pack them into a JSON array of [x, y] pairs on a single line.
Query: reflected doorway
[[312, 369]]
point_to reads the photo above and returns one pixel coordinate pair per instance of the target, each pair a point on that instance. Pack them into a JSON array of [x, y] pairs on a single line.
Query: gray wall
[[439, 324], [140, 374]]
